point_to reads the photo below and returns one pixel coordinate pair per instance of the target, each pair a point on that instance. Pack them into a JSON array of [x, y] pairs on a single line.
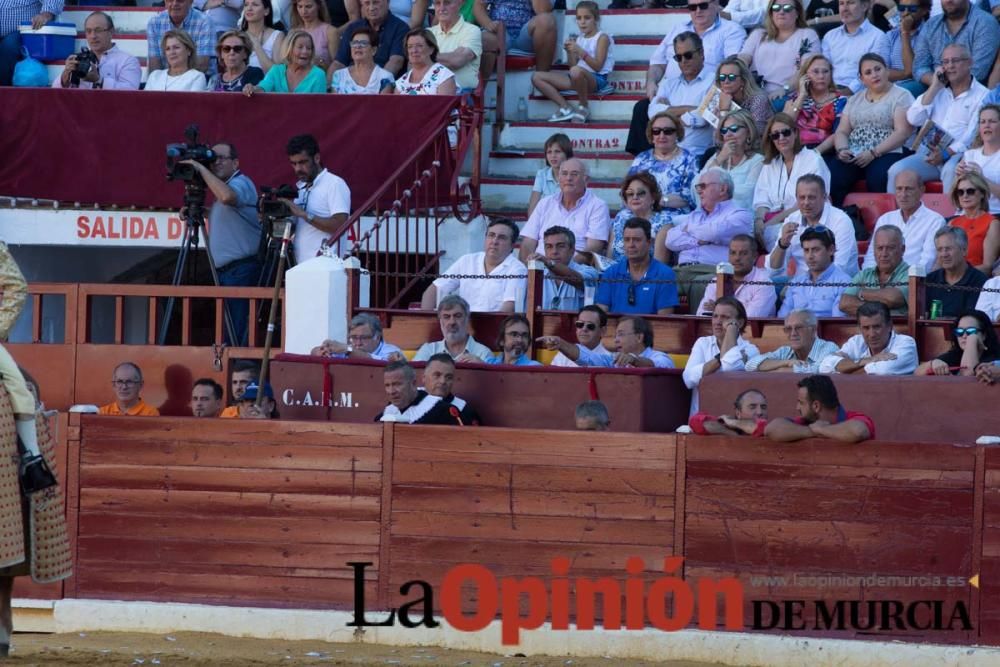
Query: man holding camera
[[324, 200], [233, 229], [109, 66]]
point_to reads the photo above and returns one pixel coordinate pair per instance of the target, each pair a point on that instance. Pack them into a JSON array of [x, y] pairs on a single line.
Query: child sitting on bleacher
[[590, 58]]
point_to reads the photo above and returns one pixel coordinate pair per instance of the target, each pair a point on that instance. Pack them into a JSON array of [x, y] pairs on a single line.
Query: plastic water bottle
[[522, 109]]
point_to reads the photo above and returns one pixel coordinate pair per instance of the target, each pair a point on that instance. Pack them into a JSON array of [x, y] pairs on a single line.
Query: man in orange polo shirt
[[244, 374], [127, 382]]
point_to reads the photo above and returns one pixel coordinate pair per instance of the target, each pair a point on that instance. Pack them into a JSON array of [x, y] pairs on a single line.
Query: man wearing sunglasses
[[682, 95], [720, 38], [958, 23], [701, 238], [896, 46], [877, 349], [589, 350], [116, 70], [952, 244], [845, 45], [638, 284]]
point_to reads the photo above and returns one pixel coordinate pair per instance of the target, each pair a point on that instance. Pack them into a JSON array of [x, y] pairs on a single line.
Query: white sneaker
[[562, 115], [581, 114]]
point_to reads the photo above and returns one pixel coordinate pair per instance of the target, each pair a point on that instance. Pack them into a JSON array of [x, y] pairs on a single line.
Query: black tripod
[[194, 216]]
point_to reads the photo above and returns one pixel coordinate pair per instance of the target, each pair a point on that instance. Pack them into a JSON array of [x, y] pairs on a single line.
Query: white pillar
[[316, 302]]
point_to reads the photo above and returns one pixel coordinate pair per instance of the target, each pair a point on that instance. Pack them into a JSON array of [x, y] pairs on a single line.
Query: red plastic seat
[[939, 202], [520, 62], [934, 187], [871, 205]]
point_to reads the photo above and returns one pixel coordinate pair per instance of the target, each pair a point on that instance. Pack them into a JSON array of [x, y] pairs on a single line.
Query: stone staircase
[[510, 169]]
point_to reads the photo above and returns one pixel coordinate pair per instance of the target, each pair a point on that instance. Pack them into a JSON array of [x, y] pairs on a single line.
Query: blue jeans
[[241, 275], [10, 53]]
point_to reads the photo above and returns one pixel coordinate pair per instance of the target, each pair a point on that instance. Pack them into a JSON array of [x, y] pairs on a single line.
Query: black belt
[[237, 262]]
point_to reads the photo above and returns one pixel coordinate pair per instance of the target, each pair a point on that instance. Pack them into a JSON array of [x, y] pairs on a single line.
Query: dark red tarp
[[108, 147]]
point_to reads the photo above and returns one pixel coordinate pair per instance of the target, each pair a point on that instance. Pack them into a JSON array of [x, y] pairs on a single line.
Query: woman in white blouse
[[785, 160], [724, 350], [267, 42], [737, 138], [362, 76], [426, 76], [179, 52], [984, 158]]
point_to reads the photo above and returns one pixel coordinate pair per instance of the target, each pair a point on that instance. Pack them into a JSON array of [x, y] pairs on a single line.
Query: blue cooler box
[[54, 41]]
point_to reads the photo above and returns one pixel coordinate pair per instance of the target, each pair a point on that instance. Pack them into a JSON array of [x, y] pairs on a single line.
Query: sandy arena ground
[[190, 648]]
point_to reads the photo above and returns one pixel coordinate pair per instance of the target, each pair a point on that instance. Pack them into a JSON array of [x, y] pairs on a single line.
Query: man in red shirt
[[821, 416], [750, 417]]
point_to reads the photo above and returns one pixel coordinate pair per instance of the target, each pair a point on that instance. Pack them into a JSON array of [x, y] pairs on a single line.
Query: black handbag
[[35, 474]]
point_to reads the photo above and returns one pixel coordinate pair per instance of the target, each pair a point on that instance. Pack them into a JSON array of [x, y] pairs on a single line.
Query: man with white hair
[[574, 207], [364, 341], [456, 342], [804, 350], [702, 237]]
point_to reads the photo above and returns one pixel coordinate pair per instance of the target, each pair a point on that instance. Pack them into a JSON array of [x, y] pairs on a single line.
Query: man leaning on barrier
[[364, 341], [409, 404], [877, 349], [750, 417], [804, 352], [821, 416]]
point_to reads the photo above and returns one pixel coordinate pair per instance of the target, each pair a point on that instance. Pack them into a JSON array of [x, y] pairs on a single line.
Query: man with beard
[[324, 200], [821, 416], [513, 341], [456, 342]]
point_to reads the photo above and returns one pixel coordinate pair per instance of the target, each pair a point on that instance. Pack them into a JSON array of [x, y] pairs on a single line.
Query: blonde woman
[[737, 140], [179, 54], [776, 50], [734, 84]]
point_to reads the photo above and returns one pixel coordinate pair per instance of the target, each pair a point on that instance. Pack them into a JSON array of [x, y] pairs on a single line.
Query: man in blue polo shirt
[[513, 341], [629, 287]]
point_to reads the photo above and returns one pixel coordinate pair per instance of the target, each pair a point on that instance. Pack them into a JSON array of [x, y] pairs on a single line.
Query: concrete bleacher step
[[513, 193], [127, 19], [589, 137], [605, 166], [614, 107]]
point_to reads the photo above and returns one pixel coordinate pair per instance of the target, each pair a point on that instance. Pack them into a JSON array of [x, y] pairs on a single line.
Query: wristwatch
[[310, 218]]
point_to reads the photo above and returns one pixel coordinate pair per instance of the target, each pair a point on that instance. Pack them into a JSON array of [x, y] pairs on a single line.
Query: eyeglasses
[[220, 158], [657, 131], [701, 186], [953, 61], [777, 134], [824, 230], [795, 329], [358, 44], [908, 8], [125, 383], [630, 194], [359, 339], [966, 192], [518, 334], [787, 9], [589, 326], [967, 331], [695, 6], [729, 77], [96, 31], [687, 55], [631, 294], [236, 48]]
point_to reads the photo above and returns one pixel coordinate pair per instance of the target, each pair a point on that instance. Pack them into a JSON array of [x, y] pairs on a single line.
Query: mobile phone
[[809, 85], [943, 78]]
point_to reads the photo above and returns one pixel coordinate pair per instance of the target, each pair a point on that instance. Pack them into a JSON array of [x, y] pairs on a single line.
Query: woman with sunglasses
[[785, 161], [871, 134], [673, 166], [984, 157], [362, 76], [736, 138], [233, 52], [816, 104], [266, 41], [640, 194], [973, 342], [736, 85], [296, 73], [775, 51], [971, 195]]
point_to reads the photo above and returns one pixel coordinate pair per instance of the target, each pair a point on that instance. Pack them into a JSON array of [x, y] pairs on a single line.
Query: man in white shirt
[[916, 220], [324, 200], [590, 323], [758, 298], [682, 95], [453, 316], [720, 39], [364, 341], [502, 287], [877, 350], [845, 45], [748, 13], [575, 207], [723, 350], [814, 211], [952, 103], [989, 302]]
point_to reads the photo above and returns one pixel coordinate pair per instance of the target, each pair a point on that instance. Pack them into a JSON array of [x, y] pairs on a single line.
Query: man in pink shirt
[[759, 299], [114, 70]]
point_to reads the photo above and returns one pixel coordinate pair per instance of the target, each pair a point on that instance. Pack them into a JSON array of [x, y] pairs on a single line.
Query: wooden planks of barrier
[[226, 511]]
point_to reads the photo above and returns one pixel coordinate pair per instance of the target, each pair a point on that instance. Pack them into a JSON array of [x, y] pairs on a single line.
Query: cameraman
[[233, 229], [115, 69], [324, 200]]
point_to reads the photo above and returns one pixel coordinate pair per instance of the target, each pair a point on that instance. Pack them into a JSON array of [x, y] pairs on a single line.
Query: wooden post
[[534, 302], [916, 300]]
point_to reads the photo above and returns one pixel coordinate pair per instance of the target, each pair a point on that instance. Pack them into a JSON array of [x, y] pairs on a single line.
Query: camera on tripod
[[190, 150], [270, 204], [85, 61]]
